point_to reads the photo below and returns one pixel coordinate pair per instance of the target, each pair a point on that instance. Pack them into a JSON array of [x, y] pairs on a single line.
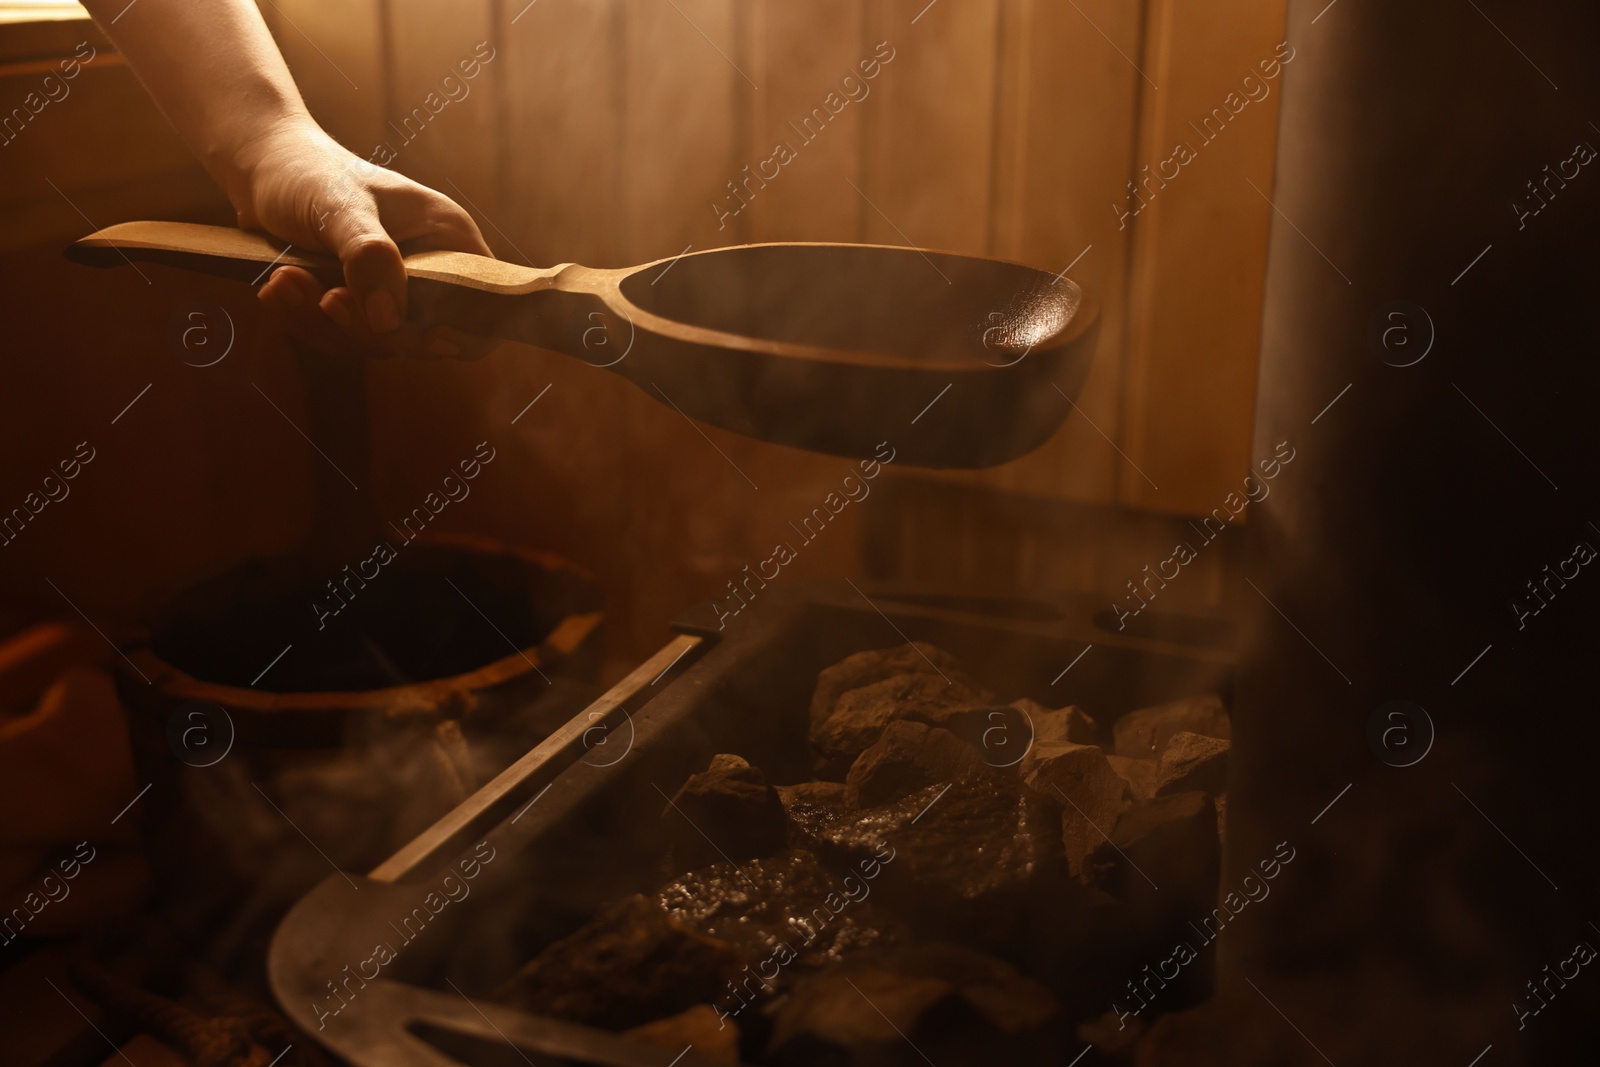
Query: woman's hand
[[218, 75], [300, 185]]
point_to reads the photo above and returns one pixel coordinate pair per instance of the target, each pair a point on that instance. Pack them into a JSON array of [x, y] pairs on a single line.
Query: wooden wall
[[94, 150], [603, 131], [191, 470]]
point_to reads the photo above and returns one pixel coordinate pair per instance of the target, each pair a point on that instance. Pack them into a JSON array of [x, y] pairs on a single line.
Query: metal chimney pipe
[[1416, 716]]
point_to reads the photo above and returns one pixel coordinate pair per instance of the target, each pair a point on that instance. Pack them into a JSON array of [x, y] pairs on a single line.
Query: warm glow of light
[[40, 10]]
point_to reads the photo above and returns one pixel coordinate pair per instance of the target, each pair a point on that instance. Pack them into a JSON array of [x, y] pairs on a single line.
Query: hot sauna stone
[[699, 1028], [1090, 793], [1140, 774], [865, 668], [1144, 733], [888, 995], [829, 794], [790, 899], [1008, 1000], [631, 964], [726, 812], [727, 936], [909, 756], [860, 715], [971, 856], [810, 806], [1057, 724], [1166, 845], [859, 1006], [823, 924], [1192, 761]]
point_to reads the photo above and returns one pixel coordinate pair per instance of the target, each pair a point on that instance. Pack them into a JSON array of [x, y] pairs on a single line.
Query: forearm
[[215, 71]]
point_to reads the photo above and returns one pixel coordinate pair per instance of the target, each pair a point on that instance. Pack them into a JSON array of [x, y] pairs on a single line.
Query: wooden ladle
[[956, 361]]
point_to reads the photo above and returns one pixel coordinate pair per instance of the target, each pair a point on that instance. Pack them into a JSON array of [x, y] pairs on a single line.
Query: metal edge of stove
[[306, 947], [434, 839], [379, 1035]]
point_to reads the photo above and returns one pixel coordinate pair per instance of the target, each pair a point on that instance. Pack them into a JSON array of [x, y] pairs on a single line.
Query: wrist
[[236, 165]]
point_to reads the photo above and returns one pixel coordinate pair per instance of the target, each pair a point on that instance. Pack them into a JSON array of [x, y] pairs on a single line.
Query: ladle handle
[[249, 257], [216, 250], [565, 308]]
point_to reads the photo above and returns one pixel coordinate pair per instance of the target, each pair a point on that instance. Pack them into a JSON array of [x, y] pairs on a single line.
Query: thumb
[[373, 268]]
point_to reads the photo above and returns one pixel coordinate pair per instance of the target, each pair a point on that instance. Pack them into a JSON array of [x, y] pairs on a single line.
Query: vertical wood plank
[[687, 83], [440, 117], [684, 86], [801, 54], [1200, 248], [1066, 131], [335, 52], [1065, 112], [565, 158], [928, 156], [555, 112]]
